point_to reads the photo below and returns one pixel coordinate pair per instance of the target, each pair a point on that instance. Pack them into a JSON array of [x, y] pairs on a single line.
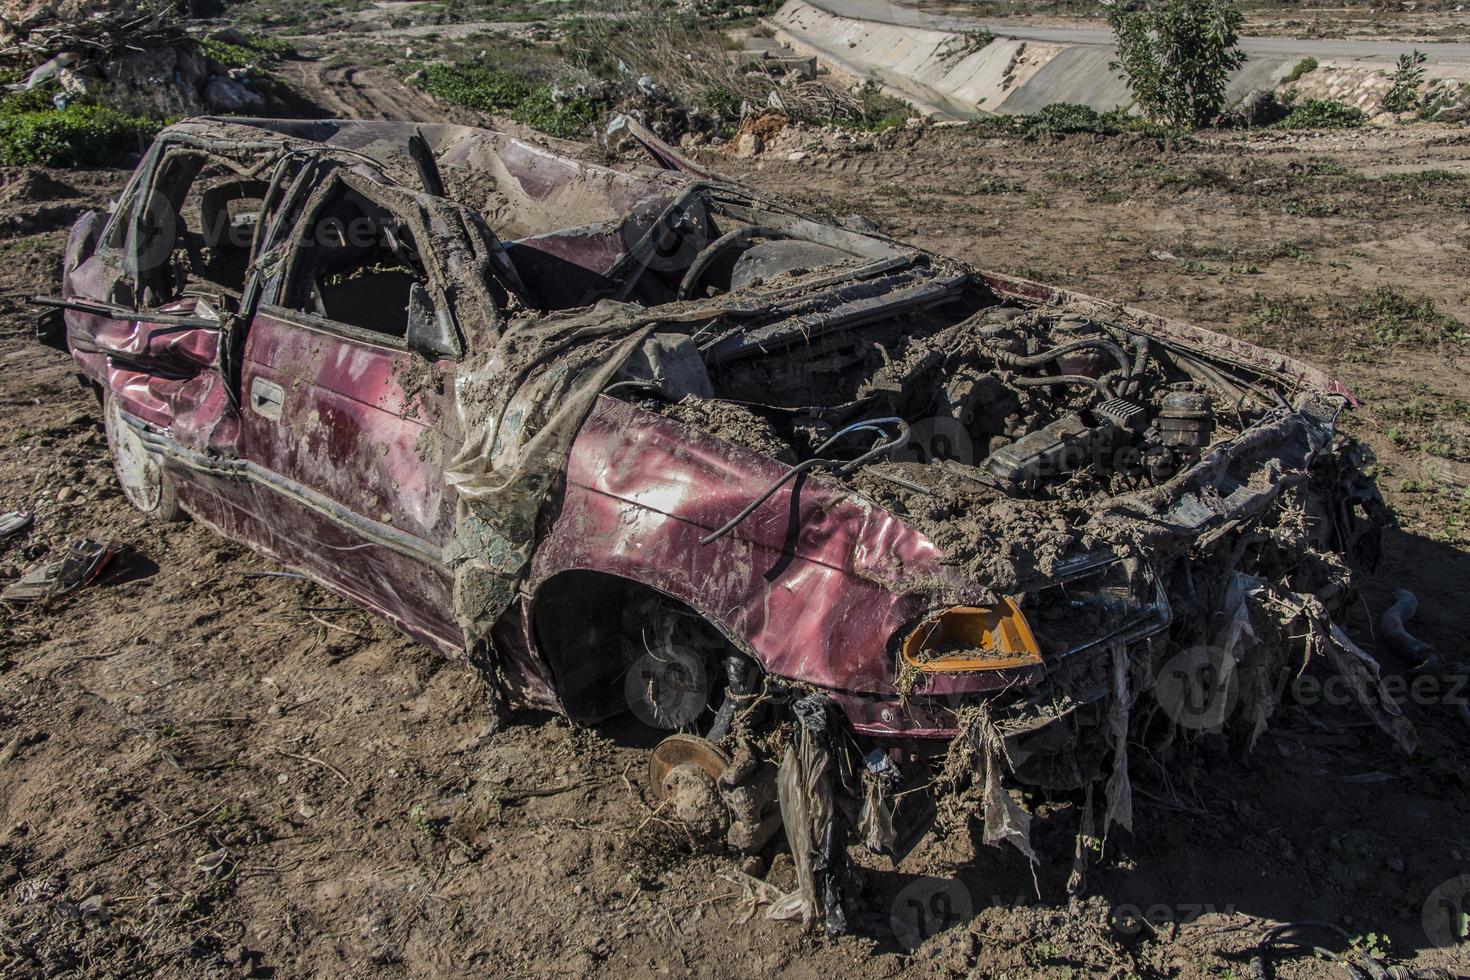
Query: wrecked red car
[[872, 534]]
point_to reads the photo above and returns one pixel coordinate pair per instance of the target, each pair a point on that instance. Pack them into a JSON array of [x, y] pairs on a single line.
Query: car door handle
[[267, 397]]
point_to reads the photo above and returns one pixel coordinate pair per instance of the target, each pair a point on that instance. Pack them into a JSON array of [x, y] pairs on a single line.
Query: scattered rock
[[748, 145], [224, 94]]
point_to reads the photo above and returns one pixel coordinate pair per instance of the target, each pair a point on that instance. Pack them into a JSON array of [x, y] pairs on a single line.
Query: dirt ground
[[210, 770]]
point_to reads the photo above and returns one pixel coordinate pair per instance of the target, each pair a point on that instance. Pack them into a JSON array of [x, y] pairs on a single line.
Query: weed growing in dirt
[[998, 185], [1426, 178], [255, 54], [1396, 320], [1450, 504], [1307, 64], [1322, 114], [491, 89], [1278, 314], [317, 13], [430, 829], [1176, 59]]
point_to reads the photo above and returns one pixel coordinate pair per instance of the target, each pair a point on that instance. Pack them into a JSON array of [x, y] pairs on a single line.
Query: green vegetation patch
[[1322, 114], [497, 90], [78, 135], [1061, 118]]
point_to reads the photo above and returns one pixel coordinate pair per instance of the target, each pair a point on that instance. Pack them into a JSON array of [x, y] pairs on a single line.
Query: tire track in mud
[[350, 92]]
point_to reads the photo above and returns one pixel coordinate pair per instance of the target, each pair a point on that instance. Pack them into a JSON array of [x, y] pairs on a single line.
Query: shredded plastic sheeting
[[1119, 794], [815, 829]]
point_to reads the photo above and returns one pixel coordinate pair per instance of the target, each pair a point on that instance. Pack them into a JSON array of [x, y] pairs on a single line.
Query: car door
[[344, 422], [145, 290]]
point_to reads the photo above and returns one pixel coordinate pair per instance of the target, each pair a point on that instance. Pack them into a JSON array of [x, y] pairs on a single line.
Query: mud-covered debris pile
[[145, 60]]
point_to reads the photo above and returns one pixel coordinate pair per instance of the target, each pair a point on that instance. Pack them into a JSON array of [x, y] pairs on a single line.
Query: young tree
[[1176, 57]]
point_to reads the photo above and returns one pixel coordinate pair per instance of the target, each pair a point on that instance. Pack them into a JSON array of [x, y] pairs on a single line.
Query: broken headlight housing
[[971, 638]]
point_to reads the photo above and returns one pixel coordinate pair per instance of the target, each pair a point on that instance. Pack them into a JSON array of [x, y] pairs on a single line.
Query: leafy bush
[[1307, 64], [1176, 59], [75, 136], [721, 101], [1322, 114], [1403, 94], [877, 110]]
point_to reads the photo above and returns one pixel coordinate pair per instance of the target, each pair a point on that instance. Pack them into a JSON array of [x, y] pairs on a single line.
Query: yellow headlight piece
[[972, 638]]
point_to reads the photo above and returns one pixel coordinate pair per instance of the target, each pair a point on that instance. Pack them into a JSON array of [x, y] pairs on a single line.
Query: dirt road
[[211, 769], [953, 17]]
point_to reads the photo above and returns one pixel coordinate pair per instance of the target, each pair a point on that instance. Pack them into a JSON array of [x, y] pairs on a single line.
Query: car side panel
[[814, 584]]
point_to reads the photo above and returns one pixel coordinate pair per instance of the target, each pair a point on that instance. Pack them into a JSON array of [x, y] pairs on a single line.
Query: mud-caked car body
[[642, 438]]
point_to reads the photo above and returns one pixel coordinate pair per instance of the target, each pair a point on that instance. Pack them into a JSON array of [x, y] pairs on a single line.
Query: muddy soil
[[211, 770]]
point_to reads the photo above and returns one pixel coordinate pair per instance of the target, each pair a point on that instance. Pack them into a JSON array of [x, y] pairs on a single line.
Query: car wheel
[[139, 469]]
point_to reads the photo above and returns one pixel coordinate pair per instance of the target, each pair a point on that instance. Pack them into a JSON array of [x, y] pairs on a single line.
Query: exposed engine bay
[[1130, 499]]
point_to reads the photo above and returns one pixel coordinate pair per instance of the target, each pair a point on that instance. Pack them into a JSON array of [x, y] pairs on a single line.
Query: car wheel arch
[[575, 622]]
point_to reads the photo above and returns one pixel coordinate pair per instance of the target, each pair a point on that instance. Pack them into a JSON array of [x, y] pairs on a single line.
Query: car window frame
[[274, 302]]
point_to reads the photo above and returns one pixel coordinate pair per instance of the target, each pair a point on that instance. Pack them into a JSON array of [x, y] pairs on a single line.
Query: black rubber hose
[[716, 248], [1007, 359], [1134, 385], [1049, 381], [1399, 640], [840, 466]]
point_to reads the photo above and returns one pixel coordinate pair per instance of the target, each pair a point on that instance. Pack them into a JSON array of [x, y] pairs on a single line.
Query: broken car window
[[196, 228], [357, 266]]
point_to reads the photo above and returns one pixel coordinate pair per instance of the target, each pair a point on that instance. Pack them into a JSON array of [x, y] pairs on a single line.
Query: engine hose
[[1007, 359], [1049, 381], [1140, 365], [1398, 639], [817, 462], [716, 248]]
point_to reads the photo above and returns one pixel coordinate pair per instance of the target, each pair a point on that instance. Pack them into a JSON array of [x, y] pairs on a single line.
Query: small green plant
[[1176, 58], [1403, 93], [422, 823], [1322, 114], [1307, 64], [998, 185], [1371, 944]]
